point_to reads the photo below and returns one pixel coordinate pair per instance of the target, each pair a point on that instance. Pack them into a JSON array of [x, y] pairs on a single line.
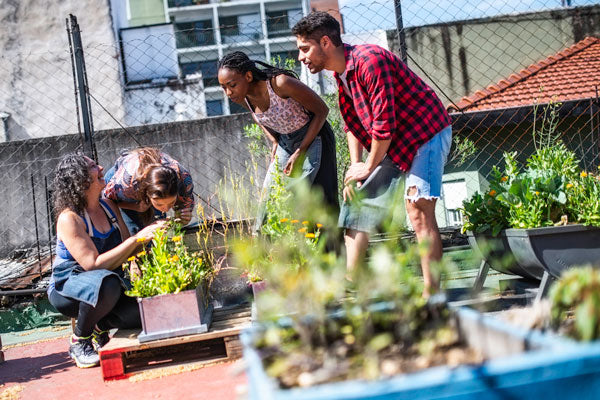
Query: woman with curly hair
[[293, 117], [92, 242], [146, 183]]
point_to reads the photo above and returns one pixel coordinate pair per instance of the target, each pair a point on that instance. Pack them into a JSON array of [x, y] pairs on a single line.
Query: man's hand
[[348, 192], [356, 173]]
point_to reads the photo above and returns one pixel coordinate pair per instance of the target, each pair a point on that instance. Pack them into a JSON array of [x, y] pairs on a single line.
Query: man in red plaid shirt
[[397, 117]]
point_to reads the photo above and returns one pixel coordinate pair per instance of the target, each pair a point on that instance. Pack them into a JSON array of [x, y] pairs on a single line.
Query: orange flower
[[130, 259], [141, 253], [294, 221], [537, 193], [140, 240], [310, 235], [284, 220], [175, 258], [302, 230], [504, 178], [177, 238], [569, 185], [583, 174], [319, 226], [492, 192], [304, 222]]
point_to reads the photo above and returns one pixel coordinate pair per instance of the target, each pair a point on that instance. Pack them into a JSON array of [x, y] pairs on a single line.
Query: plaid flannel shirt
[[388, 101]]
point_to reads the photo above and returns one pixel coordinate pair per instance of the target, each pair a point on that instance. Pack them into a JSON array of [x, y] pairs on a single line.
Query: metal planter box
[[494, 250], [528, 365], [555, 249], [171, 315]]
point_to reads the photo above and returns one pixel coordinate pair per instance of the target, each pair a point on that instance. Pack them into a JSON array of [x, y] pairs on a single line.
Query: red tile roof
[[572, 74]]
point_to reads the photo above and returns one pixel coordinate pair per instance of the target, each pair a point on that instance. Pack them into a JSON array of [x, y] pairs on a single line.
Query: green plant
[[576, 303], [338, 324], [257, 141], [550, 189], [167, 266], [464, 149]]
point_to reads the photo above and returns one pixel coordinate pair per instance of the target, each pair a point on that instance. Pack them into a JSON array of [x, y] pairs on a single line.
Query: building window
[[241, 28], [454, 217], [183, 3], [214, 107], [192, 34], [279, 23], [229, 26], [208, 69]]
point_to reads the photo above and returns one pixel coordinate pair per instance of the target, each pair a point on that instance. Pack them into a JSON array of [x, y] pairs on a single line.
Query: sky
[[364, 15]]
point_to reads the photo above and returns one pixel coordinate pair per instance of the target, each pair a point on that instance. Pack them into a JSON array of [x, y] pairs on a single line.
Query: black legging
[[113, 310]]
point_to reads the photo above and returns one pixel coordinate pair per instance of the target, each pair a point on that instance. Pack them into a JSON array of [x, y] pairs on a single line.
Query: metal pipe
[[21, 292], [37, 234], [400, 30]]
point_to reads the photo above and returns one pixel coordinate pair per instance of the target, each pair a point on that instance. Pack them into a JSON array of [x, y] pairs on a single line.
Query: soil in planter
[[342, 360]]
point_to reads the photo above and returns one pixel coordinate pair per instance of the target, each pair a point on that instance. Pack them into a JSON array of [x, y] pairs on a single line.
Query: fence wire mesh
[[489, 61]]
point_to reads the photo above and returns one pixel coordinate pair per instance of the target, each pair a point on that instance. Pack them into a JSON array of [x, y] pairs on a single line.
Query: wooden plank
[[124, 355]]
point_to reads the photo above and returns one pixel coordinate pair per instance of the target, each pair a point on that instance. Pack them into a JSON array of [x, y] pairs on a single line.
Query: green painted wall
[[146, 12]]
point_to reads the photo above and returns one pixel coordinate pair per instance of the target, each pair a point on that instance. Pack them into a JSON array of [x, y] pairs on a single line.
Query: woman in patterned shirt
[[292, 116], [146, 183]]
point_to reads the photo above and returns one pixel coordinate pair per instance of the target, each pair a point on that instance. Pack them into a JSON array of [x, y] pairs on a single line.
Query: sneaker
[[99, 338], [82, 351]]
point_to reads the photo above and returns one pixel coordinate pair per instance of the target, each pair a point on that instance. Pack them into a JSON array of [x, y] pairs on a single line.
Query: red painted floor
[[45, 371]]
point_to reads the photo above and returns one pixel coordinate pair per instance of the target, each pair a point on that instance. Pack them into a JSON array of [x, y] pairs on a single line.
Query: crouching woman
[[92, 242]]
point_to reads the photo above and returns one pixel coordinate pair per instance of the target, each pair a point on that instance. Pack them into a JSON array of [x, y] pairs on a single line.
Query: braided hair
[[239, 61]]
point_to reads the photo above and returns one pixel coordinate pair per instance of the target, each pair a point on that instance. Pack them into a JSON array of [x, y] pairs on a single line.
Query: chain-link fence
[[155, 82]]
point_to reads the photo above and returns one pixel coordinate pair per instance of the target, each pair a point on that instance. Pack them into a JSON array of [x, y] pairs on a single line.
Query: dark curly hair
[[239, 61], [71, 179], [318, 24]]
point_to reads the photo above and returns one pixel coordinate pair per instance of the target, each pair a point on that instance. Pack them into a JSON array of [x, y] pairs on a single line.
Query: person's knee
[[110, 290]]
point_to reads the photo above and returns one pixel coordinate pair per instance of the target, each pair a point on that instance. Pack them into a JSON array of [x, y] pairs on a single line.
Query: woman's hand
[[289, 166], [184, 214], [146, 234], [273, 150]]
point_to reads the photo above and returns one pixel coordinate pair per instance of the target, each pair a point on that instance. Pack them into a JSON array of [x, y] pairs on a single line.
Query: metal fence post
[[81, 87], [400, 30]]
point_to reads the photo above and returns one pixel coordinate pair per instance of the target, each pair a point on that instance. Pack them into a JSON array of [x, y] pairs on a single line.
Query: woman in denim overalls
[[292, 116], [92, 242]]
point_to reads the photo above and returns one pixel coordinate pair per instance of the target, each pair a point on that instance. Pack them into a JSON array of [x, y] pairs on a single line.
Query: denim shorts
[[428, 167], [374, 200], [380, 192]]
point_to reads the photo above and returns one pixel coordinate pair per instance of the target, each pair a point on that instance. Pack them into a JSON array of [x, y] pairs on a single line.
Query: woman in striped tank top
[[292, 116]]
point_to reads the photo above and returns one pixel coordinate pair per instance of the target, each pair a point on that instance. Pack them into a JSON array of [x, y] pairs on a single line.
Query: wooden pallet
[[124, 355]]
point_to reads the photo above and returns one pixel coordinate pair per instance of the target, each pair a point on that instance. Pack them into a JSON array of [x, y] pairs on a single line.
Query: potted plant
[[551, 206], [171, 286]]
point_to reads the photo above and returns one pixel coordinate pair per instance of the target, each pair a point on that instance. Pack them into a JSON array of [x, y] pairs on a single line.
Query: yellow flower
[[583, 174], [284, 220], [504, 178], [492, 192], [132, 258], [310, 235], [537, 193], [319, 226], [569, 185], [175, 258], [140, 240], [294, 221], [304, 222], [141, 253], [302, 230], [177, 238]]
